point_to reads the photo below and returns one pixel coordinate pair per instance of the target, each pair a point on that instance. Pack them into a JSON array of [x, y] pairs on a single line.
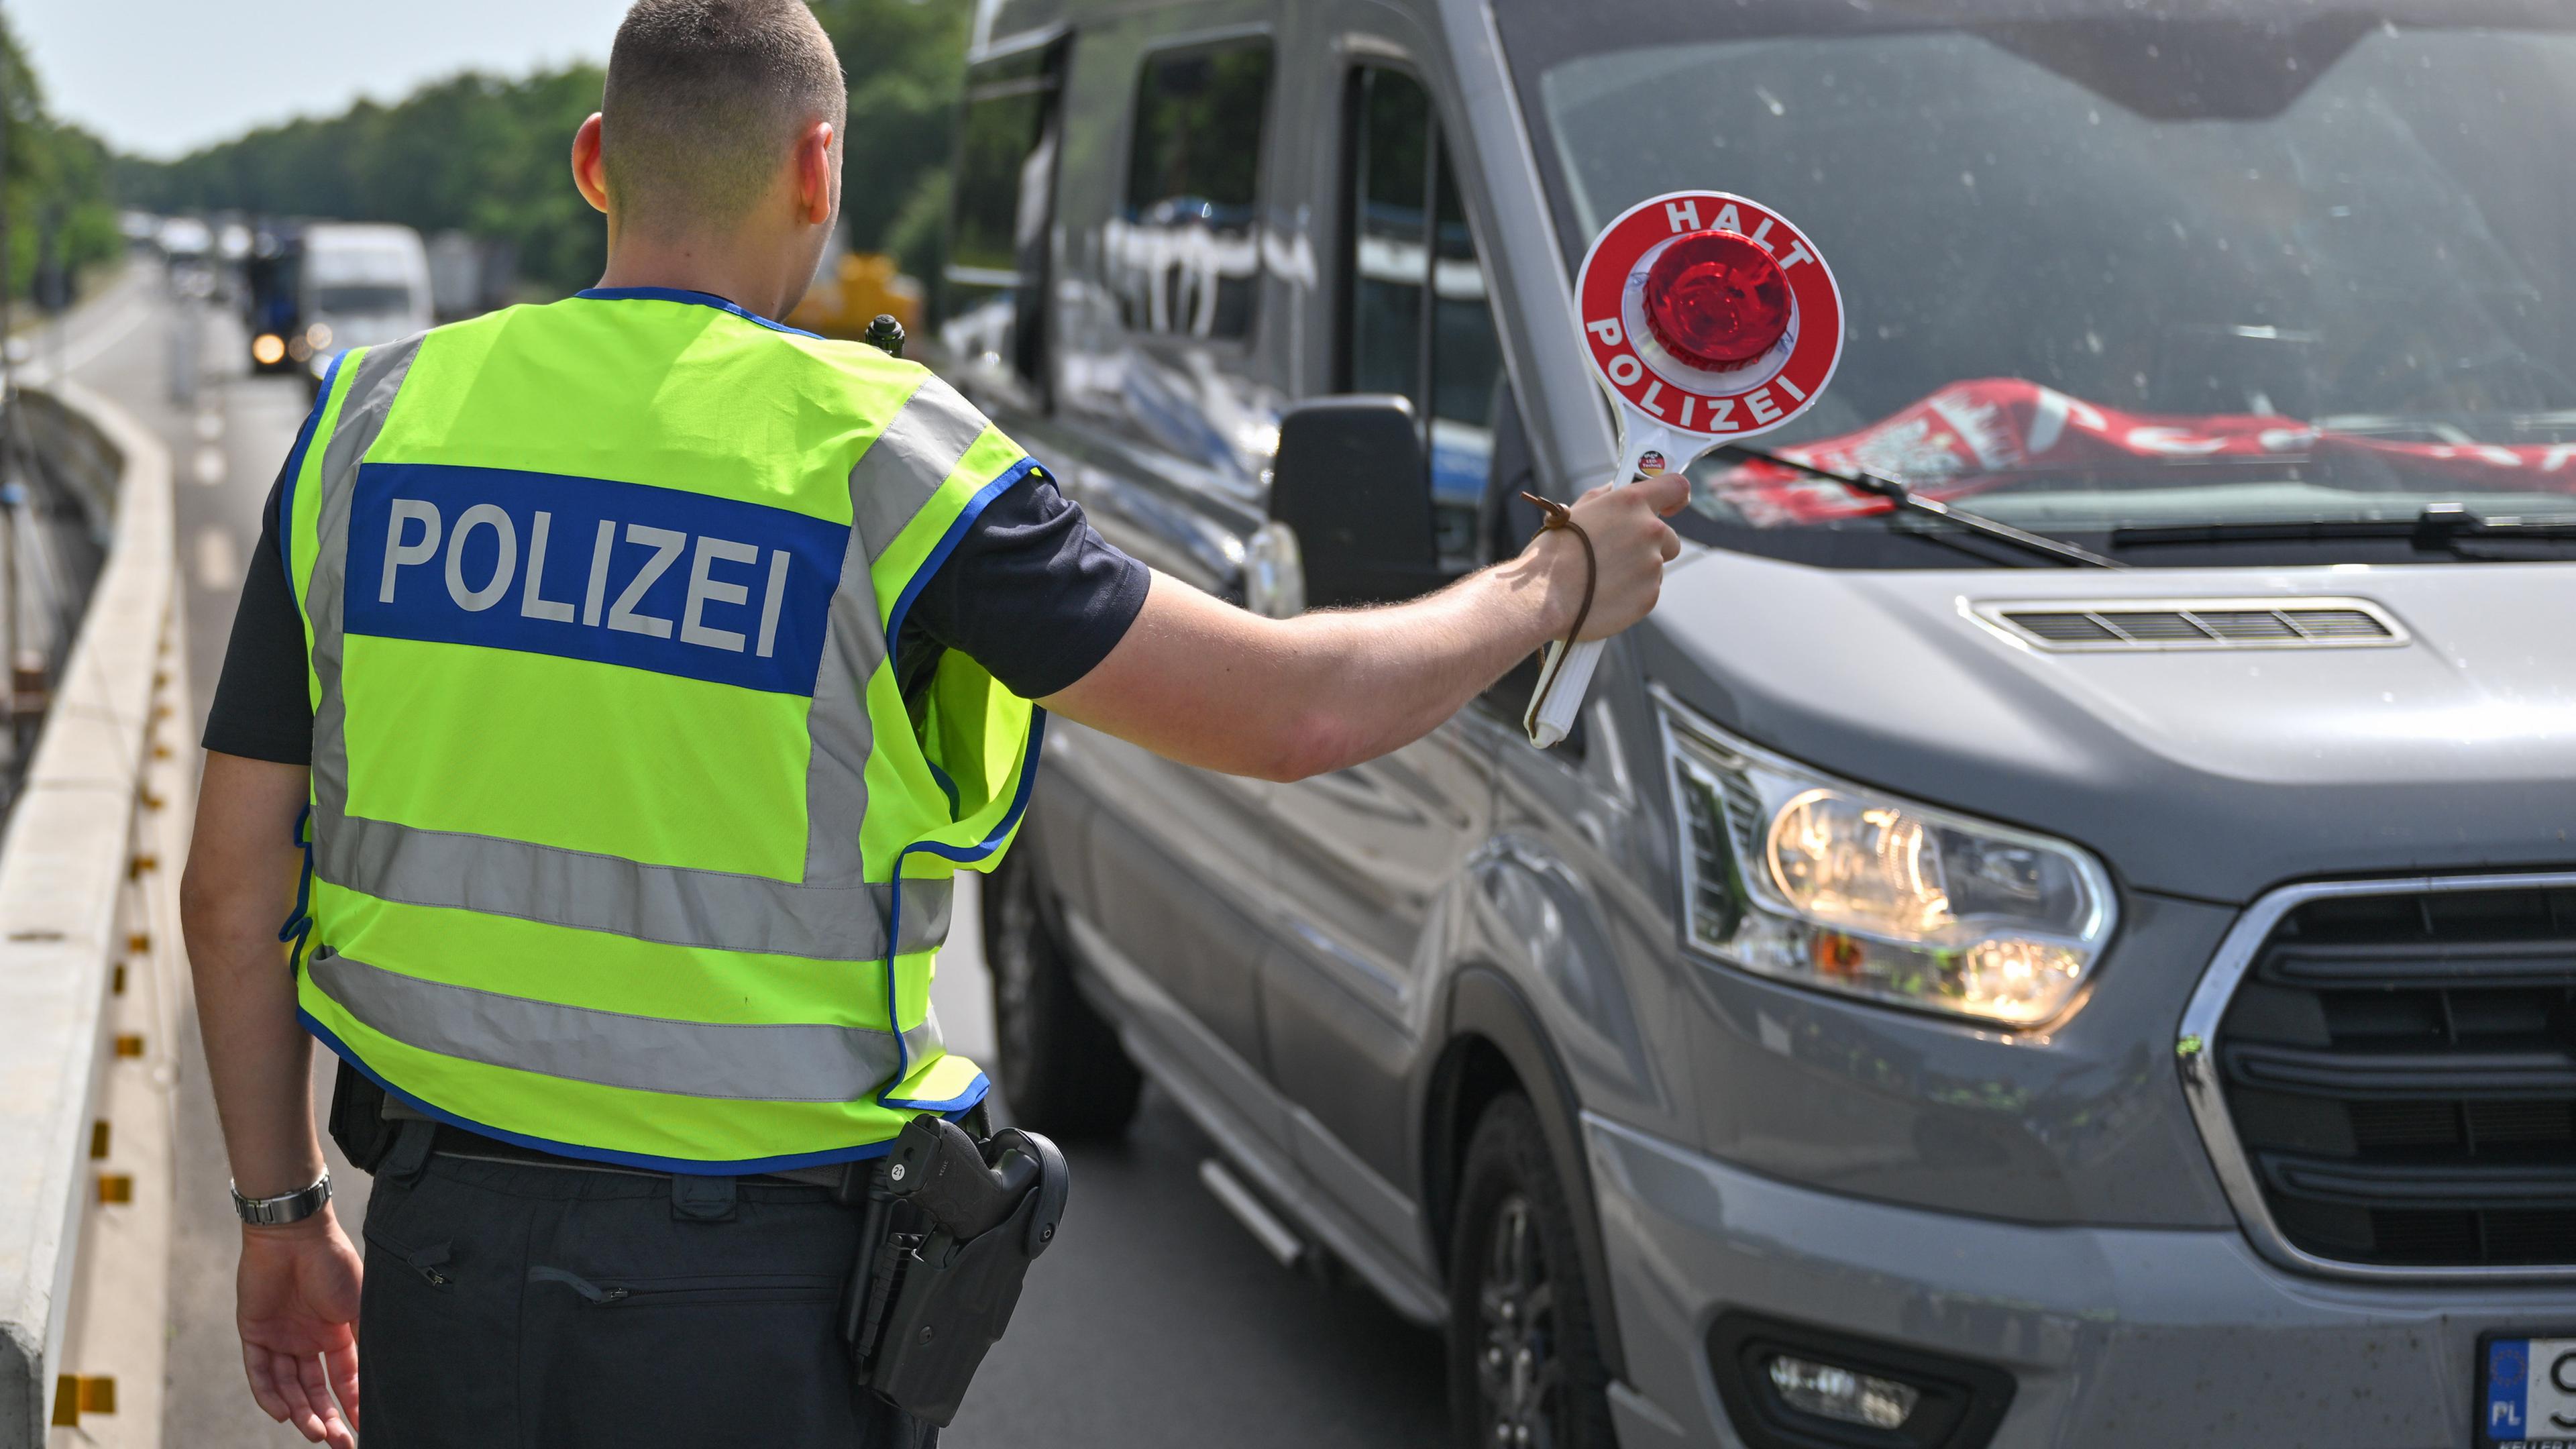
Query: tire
[[1525, 1367], [1059, 1063]]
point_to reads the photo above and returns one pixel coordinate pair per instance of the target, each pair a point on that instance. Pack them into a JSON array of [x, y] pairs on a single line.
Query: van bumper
[[2114, 1337]]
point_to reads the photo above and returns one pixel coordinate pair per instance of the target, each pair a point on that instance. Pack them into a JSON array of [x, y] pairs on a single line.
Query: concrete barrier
[[91, 974]]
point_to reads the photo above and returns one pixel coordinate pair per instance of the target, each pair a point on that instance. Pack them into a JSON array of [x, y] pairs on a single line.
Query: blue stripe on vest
[[582, 568]]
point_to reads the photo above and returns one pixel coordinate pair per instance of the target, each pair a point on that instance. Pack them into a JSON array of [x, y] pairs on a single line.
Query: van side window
[[1184, 254], [992, 294], [1415, 318]]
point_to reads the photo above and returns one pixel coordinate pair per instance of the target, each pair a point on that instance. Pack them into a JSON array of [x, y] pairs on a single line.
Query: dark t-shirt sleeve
[[1032, 592], [262, 710]]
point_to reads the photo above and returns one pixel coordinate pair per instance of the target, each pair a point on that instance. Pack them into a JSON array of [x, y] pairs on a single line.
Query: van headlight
[[1818, 881]]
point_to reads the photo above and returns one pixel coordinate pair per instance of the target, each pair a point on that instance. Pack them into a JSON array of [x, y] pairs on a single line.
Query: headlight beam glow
[[1794, 875]]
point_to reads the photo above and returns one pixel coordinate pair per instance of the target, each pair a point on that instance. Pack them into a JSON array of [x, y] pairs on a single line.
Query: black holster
[[949, 1228], [358, 1122]]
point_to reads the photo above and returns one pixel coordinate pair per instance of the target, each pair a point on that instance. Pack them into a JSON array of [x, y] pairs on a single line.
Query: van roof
[[360, 236]]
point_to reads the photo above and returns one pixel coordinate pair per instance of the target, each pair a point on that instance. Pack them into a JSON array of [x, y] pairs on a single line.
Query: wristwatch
[[289, 1207]]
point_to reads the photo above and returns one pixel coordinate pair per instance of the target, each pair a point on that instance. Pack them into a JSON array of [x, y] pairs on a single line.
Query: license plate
[[2530, 1398]]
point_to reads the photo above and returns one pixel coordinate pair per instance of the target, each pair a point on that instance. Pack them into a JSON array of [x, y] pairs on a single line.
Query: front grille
[[2401, 1073]]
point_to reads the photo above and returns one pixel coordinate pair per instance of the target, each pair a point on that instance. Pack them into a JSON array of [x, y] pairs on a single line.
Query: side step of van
[[1275, 1237]]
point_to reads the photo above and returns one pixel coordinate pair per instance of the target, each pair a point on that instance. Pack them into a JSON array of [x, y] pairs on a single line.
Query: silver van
[[1944, 994], [362, 284]]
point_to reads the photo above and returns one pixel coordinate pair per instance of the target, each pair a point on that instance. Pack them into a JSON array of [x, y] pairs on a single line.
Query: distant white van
[[363, 284]]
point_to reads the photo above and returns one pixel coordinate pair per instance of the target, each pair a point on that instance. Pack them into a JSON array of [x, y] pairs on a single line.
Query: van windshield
[[2104, 269]]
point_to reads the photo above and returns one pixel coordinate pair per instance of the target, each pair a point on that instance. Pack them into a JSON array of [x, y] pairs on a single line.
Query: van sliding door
[[1161, 412]]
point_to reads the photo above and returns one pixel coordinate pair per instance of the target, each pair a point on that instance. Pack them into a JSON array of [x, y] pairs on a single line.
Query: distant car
[[359, 285], [184, 238], [1941, 998]]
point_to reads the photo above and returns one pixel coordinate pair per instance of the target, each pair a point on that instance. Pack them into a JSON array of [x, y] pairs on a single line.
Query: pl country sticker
[[1710, 313]]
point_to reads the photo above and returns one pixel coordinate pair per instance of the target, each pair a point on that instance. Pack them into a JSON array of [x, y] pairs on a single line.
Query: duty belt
[[456, 1142]]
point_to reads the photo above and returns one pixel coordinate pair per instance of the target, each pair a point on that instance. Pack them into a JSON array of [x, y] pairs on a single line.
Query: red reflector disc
[[1717, 300]]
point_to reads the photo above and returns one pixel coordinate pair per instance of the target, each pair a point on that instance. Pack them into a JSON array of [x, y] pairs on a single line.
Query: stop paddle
[[1711, 320]]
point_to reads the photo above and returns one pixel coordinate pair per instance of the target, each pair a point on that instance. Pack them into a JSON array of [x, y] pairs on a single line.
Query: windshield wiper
[[2056, 550], [2440, 528]]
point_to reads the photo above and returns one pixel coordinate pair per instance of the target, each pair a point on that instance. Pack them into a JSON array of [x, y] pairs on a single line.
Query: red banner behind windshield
[[1975, 436]]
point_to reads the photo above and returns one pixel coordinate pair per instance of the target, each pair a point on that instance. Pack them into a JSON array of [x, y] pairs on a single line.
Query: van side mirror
[[1351, 484]]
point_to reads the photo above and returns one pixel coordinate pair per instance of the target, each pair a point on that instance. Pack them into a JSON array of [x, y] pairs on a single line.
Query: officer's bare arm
[[239, 886], [1205, 683], [299, 1282]]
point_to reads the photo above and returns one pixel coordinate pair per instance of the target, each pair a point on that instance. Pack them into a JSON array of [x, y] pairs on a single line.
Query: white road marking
[[89, 331], [91, 344], [219, 564], [210, 466]]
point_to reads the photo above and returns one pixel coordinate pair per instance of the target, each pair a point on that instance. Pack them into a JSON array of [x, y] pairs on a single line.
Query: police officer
[[619, 687]]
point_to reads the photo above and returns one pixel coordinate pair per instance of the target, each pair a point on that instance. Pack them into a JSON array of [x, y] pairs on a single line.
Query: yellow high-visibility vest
[[624, 841]]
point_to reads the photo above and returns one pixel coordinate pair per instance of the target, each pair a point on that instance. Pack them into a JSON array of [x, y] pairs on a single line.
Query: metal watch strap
[[290, 1207]]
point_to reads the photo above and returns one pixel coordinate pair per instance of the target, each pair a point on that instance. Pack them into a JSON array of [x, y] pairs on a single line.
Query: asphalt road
[[1154, 1321]]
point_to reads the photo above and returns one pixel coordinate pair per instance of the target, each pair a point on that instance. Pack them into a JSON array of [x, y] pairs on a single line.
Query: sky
[[162, 77]]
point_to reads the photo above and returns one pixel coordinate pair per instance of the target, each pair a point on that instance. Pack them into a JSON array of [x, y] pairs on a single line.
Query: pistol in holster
[[948, 1228]]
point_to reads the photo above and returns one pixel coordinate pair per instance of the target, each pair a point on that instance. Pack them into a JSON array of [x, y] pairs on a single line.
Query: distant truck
[[357, 285], [273, 297], [469, 275]]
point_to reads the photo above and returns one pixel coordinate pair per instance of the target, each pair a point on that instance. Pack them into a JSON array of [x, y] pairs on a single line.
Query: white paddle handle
[[1563, 679], [1565, 676]]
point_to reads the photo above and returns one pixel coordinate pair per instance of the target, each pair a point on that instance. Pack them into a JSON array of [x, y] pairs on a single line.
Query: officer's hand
[[1630, 543], [297, 1306]]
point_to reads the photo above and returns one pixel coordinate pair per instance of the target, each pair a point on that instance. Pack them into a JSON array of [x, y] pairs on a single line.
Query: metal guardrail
[[91, 972]]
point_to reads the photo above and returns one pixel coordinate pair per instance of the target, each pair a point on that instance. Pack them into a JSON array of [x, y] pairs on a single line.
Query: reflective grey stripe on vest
[[769, 1063], [889, 486], [906, 464], [362, 416], [715, 909], [832, 914]]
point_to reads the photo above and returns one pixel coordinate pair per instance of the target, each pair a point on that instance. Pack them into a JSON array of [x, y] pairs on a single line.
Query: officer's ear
[[818, 173], [589, 173]]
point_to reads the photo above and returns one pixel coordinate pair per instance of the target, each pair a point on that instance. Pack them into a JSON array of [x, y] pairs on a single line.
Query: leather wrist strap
[[1560, 516], [289, 1207]]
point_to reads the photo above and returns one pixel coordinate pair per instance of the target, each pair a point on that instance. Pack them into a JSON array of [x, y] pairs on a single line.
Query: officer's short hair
[[704, 98]]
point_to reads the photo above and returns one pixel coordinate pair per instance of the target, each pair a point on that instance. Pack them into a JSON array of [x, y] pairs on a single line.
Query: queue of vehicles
[[1940, 996], [314, 291], [310, 290]]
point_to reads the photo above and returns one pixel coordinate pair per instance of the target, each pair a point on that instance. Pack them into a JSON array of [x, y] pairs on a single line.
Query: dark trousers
[[537, 1307]]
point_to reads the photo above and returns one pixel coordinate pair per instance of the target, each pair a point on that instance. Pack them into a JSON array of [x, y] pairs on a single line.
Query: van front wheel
[[1524, 1368], [1061, 1066]]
